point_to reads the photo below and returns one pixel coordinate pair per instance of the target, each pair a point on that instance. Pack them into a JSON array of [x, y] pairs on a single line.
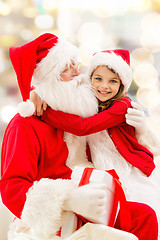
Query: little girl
[[116, 146]]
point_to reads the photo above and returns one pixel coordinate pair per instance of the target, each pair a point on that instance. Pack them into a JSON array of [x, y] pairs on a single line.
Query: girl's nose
[[104, 85]]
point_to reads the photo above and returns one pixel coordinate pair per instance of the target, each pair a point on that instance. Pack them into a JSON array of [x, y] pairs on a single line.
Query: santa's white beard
[[71, 97]]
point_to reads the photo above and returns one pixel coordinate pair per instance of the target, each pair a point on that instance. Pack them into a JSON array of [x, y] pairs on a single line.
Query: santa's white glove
[[135, 117], [88, 201]]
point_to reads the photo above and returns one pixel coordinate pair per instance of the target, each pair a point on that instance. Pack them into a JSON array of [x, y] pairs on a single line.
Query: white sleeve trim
[[43, 209]]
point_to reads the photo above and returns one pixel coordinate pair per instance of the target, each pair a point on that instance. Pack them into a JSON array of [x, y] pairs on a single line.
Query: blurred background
[[92, 26]]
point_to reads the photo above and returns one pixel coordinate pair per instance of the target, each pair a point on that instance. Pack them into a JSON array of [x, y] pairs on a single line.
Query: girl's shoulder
[[122, 101]]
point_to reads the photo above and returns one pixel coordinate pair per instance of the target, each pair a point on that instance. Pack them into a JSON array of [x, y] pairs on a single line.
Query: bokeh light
[[7, 112], [141, 55], [148, 97], [44, 21], [145, 75], [50, 4], [91, 32], [150, 38], [4, 9]]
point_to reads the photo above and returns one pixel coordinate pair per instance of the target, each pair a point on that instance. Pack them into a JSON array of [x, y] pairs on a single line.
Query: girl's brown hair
[[105, 105]]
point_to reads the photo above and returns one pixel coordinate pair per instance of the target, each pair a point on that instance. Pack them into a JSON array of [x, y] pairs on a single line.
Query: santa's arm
[[79, 126], [38, 203]]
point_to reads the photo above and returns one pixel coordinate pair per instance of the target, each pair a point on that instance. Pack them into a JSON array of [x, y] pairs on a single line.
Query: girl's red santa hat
[[43, 58], [118, 60]]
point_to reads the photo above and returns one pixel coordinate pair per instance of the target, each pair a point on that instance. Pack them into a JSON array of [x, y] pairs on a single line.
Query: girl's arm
[[79, 126]]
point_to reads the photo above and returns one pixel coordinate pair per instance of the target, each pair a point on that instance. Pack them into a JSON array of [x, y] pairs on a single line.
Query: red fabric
[[113, 119], [121, 199], [120, 52], [31, 150], [24, 59], [85, 176], [144, 223]]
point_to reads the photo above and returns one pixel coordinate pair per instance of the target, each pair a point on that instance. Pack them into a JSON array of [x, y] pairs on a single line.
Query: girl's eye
[[113, 81], [98, 79]]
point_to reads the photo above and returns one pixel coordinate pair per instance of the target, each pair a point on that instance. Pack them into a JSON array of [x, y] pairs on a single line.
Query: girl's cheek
[[94, 84]]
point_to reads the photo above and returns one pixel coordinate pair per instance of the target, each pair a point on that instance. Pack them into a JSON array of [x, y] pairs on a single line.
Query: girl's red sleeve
[[79, 126]]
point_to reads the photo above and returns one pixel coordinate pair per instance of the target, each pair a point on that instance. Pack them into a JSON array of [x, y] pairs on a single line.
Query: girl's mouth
[[104, 93]]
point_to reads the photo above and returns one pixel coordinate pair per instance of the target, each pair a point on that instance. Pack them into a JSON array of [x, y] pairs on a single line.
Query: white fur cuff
[[43, 208]]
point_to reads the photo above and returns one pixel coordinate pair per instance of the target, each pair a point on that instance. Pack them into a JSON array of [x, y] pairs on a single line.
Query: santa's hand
[[88, 201], [135, 117], [39, 104]]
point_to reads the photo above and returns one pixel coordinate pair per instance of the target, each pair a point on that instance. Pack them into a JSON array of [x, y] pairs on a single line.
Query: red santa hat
[[118, 60], [45, 56]]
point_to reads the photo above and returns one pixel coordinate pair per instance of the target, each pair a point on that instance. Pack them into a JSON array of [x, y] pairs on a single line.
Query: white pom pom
[[26, 109]]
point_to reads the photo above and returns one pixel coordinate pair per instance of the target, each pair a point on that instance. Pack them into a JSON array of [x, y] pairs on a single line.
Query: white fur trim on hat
[[43, 209], [55, 61], [115, 62]]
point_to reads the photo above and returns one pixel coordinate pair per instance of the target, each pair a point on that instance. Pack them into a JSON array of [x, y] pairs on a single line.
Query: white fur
[[114, 62], [26, 109], [77, 151], [70, 97], [43, 209], [19, 231], [54, 63]]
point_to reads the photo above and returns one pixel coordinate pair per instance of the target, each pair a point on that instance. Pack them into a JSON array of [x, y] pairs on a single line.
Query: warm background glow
[[92, 26]]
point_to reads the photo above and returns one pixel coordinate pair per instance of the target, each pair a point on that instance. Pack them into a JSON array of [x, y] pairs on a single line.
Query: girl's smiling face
[[105, 83]]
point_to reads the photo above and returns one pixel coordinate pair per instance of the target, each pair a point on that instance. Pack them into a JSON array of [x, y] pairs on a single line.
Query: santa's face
[[70, 72]]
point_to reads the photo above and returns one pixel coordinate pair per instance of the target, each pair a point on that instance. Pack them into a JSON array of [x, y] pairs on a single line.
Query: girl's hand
[[39, 104], [136, 117]]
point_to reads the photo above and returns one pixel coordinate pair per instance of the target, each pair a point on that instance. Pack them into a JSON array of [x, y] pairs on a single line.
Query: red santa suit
[[34, 153], [35, 174]]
